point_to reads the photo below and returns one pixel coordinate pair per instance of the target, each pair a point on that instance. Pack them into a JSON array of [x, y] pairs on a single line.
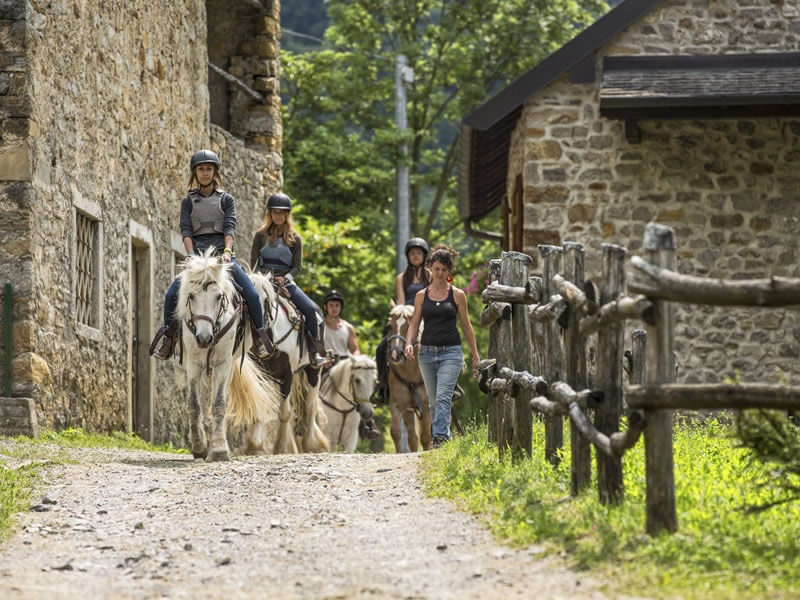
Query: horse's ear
[[392, 303]]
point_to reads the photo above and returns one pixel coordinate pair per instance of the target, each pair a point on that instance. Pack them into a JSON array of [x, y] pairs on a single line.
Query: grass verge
[[720, 551]]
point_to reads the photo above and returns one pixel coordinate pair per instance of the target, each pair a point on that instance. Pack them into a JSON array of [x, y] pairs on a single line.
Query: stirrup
[[163, 345], [262, 345]]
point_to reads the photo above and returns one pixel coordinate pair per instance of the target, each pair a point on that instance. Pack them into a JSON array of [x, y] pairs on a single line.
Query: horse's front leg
[[219, 442], [197, 402]]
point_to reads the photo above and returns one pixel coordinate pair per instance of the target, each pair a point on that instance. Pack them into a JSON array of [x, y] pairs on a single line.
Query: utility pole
[[403, 75]]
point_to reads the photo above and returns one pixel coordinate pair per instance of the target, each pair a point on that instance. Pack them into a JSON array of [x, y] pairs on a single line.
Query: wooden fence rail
[[539, 332]]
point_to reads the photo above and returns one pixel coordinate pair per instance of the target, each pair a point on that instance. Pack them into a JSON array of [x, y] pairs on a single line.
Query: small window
[[86, 267]]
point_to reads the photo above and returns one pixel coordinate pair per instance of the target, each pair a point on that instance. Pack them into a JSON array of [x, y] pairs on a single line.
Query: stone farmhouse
[[101, 106], [683, 112]]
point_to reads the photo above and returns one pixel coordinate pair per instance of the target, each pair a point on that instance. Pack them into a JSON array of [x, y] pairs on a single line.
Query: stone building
[[683, 112], [101, 106]]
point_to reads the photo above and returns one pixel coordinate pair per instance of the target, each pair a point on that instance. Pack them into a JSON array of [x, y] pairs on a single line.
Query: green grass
[[720, 550], [17, 485]]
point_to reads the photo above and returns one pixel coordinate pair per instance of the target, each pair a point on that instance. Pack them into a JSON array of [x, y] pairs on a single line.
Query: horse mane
[[200, 271], [263, 283], [402, 310], [362, 361]]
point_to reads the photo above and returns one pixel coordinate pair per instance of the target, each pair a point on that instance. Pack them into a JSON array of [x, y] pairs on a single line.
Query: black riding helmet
[[333, 295], [204, 157], [279, 201], [417, 243]]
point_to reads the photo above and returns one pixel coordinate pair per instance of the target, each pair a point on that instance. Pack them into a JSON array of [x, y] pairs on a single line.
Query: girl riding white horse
[[210, 312], [303, 432]]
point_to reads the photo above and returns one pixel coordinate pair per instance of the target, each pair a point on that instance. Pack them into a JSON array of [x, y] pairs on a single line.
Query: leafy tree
[[461, 52]]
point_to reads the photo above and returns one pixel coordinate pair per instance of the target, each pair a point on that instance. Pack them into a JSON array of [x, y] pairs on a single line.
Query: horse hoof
[[219, 455], [202, 454]]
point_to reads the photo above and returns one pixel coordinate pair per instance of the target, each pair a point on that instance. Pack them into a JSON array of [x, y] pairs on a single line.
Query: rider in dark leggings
[[208, 220], [406, 284], [277, 247]]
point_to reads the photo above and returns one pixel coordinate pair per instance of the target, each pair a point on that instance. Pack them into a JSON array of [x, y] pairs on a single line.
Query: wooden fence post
[[552, 353], [514, 272], [638, 350], [610, 349], [575, 369], [504, 405], [659, 243], [492, 409], [537, 341]]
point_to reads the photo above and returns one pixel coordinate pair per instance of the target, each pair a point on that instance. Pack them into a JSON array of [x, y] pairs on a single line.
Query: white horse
[[210, 311], [345, 392], [293, 368]]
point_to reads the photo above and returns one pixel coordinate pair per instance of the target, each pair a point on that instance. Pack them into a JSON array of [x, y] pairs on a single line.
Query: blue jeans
[[305, 306], [440, 366], [248, 291]]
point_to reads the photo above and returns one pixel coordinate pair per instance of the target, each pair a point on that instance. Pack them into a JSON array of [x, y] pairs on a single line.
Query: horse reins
[[352, 401], [412, 385]]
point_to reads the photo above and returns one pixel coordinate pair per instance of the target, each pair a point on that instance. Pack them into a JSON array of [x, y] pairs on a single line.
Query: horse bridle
[[270, 320], [218, 330], [352, 401], [412, 385]]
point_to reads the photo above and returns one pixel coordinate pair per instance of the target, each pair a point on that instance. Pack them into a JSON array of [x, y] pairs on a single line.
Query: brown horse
[[408, 400]]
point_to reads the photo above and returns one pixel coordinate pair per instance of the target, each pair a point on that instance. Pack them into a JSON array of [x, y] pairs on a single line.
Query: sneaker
[[438, 442]]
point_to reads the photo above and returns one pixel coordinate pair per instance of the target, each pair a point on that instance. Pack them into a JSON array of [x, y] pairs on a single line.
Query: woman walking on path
[[406, 286], [440, 355], [278, 248], [208, 220]]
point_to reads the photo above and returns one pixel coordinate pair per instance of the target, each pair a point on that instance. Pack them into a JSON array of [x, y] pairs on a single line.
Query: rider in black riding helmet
[[277, 247], [208, 219], [407, 284]]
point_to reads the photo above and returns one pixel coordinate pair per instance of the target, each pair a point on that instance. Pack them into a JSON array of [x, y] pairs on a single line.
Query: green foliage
[[77, 438], [16, 488], [720, 550], [774, 442]]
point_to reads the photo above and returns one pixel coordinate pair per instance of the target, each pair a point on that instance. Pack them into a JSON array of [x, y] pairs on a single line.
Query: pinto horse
[[345, 392], [210, 312], [408, 399], [301, 415]]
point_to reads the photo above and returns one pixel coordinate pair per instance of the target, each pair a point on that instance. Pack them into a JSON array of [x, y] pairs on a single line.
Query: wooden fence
[[542, 331]]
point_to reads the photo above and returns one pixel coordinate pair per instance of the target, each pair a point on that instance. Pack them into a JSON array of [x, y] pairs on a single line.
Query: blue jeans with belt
[[248, 291], [440, 366]]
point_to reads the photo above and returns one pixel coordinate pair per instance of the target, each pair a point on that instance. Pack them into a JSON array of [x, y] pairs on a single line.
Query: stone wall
[[729, 188], [101, 106]]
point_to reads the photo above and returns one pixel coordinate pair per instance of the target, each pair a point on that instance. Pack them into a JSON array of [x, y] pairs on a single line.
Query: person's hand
[[226, 257], [409, 352], [475, 360], [280, 280]]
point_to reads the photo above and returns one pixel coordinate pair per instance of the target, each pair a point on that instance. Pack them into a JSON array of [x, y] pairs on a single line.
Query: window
[[86, 270]]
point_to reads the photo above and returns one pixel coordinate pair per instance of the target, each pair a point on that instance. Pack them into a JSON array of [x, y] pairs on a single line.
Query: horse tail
[[307, 406], [254, 397]]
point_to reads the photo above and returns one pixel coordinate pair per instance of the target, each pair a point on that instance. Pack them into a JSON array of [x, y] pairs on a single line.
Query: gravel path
[[130, 524]]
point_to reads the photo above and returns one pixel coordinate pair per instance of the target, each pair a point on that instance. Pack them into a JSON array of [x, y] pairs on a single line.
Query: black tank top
[[440, 321]]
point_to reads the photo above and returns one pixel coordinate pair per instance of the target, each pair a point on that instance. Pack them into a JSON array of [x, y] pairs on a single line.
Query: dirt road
[[129, 524]]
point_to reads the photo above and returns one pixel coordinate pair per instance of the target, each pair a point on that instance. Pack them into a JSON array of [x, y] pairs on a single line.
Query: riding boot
[[367, 429], [380, 396], [262, 345], [320, 356], [164, 342]]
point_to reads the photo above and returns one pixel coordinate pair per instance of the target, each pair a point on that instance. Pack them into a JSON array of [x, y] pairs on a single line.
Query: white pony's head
[[205, 294]]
